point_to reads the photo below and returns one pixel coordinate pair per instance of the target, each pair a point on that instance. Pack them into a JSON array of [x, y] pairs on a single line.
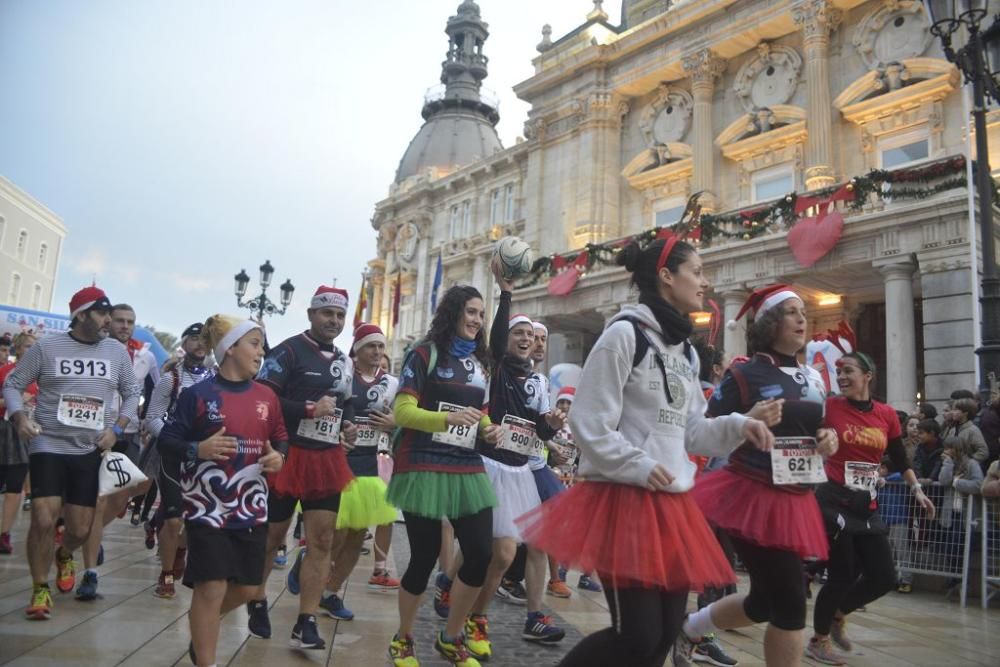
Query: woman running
[[776, 523], [438, 473], [638, 409], [13, 450], [860, 569]]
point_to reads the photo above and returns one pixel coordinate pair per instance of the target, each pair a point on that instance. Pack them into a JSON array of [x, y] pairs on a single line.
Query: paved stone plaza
[[129, 626]]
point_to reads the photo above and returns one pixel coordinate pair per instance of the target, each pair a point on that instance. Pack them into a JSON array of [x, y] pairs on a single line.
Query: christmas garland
[[748, 224]]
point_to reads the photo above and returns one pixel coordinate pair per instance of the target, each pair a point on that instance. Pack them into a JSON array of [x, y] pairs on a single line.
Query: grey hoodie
[[621, 418]]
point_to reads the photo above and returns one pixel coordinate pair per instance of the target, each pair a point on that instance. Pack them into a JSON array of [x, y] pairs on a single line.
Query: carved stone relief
[[769, 79], [667, 118], [898, 29]]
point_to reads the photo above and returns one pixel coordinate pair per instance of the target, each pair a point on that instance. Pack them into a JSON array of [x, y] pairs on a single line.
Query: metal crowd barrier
[[990, 549], [938, 547]]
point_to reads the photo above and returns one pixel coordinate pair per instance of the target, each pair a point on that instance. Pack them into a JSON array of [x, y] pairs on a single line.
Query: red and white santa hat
[[366, 333], [329, 297], [538, 326], [87, 298], [519, 319], [762, 300], [566, 394]]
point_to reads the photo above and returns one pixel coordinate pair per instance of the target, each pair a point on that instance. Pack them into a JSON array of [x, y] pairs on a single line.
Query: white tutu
[[517, 494]]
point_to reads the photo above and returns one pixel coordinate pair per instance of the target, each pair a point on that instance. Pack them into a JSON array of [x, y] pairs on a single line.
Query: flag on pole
[[436, 287], [396, 297], [359, 311]]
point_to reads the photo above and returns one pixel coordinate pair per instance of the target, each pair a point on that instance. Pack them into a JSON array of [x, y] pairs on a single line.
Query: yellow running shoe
[[402, 652], [65, 570], [477, 637], [455, 652], [40, 608]]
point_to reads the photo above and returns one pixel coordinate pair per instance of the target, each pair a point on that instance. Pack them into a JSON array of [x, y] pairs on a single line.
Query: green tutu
[[363, 504], [440, 495]]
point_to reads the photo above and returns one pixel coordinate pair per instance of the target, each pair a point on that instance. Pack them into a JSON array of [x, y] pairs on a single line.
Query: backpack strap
[[174, 388]]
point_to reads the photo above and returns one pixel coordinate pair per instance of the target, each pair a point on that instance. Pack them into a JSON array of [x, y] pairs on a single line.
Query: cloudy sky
[[182, 140]]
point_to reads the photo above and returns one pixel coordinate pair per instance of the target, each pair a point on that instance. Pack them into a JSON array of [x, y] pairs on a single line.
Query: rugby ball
[[513, 257]]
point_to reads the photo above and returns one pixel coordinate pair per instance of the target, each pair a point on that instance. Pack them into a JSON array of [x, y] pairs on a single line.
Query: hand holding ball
[[512, 257]]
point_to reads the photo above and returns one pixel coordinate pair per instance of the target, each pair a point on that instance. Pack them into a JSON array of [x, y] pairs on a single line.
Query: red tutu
[[632, 537], [311, 474], [762, 513]]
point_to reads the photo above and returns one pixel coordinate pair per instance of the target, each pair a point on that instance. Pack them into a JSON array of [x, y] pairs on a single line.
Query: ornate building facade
[[31, 240], [744, 101]]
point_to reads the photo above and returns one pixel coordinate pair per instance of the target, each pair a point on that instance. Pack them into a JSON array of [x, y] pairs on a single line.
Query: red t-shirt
[[863, 436], [4, 372]]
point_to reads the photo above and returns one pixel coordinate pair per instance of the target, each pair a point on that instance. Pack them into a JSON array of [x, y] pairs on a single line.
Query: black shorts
[[169, 482], [281, 508], [217, 554], [73, 477], [129, 446], [12, 477]]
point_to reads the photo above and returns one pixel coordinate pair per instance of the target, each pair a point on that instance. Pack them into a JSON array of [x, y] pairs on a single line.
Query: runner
[[79, 375], [438, 473], [860, 569], [777, 522], [13, 450], [313, 380], [167, 471], [638, 407], [110, 506], [227, 432]]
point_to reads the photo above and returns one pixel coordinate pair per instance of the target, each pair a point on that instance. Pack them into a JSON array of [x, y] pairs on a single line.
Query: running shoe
[[558, 589], [65, 571], [5, 546], [333, 606], [87, 590], [294, 585], [381, 581], [821, 650], [136, 519], [402, 652], [905, 588], [180, 563], [442, 596], [26, 505], [305, 635], [258, 623], [512, 592], [281, 558], [838, 633], [150, 535], [588, 584], [477, 637], [455, 652], [562, 573], [539, 628], [40, 608], [165, 586], [710, 650], [683, 651]]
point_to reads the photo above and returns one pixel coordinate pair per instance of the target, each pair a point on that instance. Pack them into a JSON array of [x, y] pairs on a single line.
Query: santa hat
[[762, 300], [519, 319], [566, 394], [329, 297], [538, 326], [366, 333], [87, 298], [234, 330]]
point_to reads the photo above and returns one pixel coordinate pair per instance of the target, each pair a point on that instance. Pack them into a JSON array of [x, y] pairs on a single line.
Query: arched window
[[43, 256], [22, 244], [36, 297], [15, 288]]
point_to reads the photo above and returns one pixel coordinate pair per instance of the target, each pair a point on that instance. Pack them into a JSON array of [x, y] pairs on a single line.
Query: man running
[[79, 374]]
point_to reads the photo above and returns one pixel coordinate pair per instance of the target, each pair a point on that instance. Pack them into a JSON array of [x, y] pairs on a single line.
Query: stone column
[[818, 18], [900, 335], [734, 341], [704, 67]]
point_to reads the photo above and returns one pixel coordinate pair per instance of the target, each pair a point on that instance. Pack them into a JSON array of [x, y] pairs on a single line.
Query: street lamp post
[[260, 303], [979, 61]]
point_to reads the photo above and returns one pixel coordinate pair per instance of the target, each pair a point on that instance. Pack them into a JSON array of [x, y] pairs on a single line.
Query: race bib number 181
[[325, 429], [796, 461]]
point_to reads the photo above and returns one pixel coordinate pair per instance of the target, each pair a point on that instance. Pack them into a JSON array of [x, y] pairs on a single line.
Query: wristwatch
[[118, 431]]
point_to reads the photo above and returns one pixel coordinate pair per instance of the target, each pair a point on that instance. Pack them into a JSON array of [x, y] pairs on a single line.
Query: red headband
[[671, 240]]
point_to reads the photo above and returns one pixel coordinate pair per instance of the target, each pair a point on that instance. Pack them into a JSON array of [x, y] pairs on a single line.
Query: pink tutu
[[763, 514]]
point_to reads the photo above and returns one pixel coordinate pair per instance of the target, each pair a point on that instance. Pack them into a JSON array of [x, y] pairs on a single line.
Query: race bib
[[81, 411], [796, 461], [861, 476], [518, 435], [459, 436], [564, 449], [370, 436], [88, 367], [324, 429]]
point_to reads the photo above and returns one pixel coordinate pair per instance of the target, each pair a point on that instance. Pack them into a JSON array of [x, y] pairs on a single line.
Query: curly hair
[[17, 345], [762, 332], [447, 316]]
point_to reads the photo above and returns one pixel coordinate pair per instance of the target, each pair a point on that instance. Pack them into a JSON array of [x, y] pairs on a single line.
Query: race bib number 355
[[519, 436], [89, 367], [459, 436], [370, 436], [796, 461]]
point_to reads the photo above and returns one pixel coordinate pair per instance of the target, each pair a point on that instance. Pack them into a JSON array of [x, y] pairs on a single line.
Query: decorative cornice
[[930, 90], [704, 67], [817, 18]]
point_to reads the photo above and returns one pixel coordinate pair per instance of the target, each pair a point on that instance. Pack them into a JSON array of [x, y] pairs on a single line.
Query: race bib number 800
[[519, 436], [458, 436], [89, 367], [796, 461]]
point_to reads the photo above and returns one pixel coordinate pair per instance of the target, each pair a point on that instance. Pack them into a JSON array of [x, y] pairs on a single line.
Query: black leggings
[[475, 537], [777, 585], [860, 570], [644, 625]]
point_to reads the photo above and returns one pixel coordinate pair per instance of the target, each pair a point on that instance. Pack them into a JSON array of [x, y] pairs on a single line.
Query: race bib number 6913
[[90, 367]]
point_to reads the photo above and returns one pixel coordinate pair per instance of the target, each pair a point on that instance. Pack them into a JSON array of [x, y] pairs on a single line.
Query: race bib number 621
[[796, 461]]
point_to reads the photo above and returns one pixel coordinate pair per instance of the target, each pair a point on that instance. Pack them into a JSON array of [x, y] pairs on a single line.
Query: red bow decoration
[[837, 337], [565, 282], [813, 237]]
